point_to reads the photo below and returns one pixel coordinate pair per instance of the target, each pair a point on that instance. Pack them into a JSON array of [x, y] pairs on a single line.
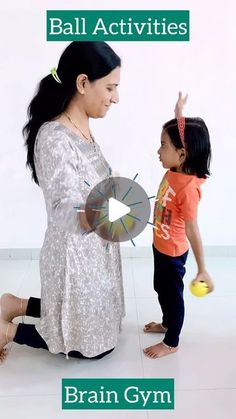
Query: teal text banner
[[118, 25], [118, 393]]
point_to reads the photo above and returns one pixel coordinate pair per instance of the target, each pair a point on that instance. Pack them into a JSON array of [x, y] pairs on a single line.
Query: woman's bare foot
[[154, 328], [159, 350], [7, 334], [12, 306]]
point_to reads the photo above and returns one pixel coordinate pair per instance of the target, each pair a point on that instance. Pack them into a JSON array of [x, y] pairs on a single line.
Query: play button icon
[[117, 209]]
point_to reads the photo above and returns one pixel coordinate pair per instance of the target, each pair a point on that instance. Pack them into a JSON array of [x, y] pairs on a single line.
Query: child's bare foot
[[159, 350], [11, 307], [154, 328]]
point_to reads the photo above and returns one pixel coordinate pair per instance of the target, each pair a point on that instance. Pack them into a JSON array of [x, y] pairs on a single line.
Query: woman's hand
[[180, 104], [84, 223], [83, 220], [204, 276]]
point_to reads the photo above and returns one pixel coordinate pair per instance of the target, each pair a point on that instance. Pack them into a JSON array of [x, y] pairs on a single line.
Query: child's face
[[170, 157]]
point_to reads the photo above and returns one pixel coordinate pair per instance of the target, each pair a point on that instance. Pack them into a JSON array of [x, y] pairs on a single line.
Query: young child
[[186, 152]]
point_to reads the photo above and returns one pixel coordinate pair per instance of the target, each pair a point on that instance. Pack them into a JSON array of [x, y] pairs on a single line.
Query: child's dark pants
[[168, 283]]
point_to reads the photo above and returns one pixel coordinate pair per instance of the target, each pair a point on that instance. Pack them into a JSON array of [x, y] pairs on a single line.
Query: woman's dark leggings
[[27, 334], [168, 283]]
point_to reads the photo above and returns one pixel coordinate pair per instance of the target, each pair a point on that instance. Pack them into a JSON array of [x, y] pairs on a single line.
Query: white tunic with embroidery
[[82, 301]]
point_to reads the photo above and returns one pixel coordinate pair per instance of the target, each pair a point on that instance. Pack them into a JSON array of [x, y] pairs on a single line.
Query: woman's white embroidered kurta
[[82, 301]]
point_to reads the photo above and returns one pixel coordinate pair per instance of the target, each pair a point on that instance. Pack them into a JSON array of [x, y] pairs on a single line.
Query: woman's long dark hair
[[197, 143], [95, 59]]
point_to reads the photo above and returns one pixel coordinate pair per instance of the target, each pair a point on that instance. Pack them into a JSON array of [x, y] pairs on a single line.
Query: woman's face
[[101, 94]]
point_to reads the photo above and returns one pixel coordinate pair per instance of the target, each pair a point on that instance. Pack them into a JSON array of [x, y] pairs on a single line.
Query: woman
[[81, 304]]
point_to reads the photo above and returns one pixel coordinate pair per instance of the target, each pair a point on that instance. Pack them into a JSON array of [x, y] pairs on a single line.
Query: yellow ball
[[199, 288], [118, 227]]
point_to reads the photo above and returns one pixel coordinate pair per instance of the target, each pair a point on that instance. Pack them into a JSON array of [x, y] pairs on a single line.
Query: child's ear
[[182, 155]]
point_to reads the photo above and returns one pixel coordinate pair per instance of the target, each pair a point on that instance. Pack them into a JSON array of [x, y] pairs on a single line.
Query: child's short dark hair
[[197, 144]]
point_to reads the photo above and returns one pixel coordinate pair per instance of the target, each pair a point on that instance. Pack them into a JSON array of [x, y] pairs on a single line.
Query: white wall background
[[152, 75]]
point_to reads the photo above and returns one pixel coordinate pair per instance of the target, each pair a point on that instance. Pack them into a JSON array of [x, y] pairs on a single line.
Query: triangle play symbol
[[116, 209]]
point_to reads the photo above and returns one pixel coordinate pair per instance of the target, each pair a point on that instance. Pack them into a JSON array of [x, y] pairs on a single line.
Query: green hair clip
[[54, 74]]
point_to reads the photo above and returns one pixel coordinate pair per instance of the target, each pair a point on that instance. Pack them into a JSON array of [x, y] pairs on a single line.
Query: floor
[[204, 368]]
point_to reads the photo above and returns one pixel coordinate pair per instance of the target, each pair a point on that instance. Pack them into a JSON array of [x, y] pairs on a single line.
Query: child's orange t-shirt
[[177, 201]]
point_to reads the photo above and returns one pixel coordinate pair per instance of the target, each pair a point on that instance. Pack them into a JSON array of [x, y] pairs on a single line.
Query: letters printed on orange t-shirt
[[177, 201]]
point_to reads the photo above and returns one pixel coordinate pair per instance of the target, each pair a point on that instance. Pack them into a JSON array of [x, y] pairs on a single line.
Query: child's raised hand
[[204, 276], [180, 104]]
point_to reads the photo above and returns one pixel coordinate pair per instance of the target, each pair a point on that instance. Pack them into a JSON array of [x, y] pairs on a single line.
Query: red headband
[[181, 128]]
